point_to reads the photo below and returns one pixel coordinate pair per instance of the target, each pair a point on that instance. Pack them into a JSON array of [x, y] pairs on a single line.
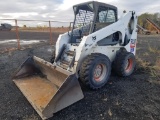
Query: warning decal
[[133, 45]]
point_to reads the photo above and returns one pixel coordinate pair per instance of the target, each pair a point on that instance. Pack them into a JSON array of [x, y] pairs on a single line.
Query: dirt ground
[[132, 98]]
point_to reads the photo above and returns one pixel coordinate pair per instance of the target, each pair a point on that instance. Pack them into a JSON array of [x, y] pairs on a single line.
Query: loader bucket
[[47, 88]]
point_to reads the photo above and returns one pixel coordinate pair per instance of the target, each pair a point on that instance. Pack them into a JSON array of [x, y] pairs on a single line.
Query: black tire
[[95, 71], [52, 57], [124, 64]]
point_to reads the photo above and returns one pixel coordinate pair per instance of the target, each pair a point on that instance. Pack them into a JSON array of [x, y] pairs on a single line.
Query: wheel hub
[[129, 65], [99, 72]]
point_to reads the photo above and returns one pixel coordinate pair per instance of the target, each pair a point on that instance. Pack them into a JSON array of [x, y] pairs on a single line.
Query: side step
[[70, 53], [67, 64], [64, 64]]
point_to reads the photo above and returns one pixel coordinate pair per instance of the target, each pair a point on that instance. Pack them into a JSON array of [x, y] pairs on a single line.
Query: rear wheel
[[124, 64], [95, 71]]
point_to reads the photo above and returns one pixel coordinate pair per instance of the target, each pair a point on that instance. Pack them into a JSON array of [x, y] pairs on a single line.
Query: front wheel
[[95, 70]]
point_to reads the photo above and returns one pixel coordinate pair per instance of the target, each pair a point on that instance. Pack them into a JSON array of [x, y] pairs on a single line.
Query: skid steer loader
[[97, 42]]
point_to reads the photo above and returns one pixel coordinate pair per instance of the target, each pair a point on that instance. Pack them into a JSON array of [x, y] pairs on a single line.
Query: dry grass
[[110, 112], [146, 67], [142, 63], [153, 70], [155, 73], [9, 50], [46, 29], [32, 117], [154, 50], [146, 54], [138, 48]]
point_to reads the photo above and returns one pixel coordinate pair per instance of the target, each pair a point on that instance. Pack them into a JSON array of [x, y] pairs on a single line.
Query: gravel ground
[[136, 97]]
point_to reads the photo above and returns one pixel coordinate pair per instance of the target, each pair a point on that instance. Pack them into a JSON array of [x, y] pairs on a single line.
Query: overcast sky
[[62, 9]]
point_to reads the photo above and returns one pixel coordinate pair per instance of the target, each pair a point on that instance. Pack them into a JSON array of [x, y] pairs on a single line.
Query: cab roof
[[95, 5]]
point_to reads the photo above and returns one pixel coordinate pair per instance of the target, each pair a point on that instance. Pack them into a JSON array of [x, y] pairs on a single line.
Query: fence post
[[17, 34], [50, 29]]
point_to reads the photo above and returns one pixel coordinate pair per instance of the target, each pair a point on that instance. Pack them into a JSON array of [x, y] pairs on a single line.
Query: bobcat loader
[[97, 42]]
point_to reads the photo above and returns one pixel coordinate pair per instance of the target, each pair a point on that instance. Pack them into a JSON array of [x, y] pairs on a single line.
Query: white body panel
[[89, 44], [62, 39]]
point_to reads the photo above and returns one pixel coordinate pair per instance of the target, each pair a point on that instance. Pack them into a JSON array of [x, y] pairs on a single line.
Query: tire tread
[[85, 71]]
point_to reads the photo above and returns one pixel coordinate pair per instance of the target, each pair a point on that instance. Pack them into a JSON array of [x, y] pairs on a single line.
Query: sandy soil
[[132, 98]]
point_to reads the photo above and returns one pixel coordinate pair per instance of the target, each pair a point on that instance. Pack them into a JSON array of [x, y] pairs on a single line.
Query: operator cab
[[90, 17]]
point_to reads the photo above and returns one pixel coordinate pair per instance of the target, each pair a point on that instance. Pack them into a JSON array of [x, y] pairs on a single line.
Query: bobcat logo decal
[[94, 38]]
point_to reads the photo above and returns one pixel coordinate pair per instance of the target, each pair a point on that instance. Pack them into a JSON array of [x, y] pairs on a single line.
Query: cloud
[[38, 6], [23, 14], [140, 6], [61, 10]]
